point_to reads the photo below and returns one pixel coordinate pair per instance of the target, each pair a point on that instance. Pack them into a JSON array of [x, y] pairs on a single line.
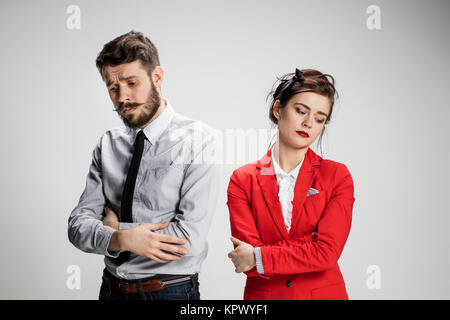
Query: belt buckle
[[122, 285]]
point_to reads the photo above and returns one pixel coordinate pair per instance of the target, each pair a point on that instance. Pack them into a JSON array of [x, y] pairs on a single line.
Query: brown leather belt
[[147, 286]]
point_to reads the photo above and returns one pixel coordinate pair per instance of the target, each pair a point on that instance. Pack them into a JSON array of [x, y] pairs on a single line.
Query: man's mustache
[[124, 105]]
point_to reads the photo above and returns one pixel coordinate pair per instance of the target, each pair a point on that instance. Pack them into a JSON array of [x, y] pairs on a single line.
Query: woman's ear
[[276, 109]]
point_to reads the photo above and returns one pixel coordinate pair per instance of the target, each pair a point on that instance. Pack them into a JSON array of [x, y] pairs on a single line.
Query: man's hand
[[144, 242], [243, 256], [111, 218]]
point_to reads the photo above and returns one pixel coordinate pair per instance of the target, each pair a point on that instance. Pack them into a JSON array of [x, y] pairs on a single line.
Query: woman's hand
[[243, 256], [111, 218]]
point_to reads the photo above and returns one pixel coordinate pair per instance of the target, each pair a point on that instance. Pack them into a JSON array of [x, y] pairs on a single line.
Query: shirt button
[[288, 283], [134, 203]]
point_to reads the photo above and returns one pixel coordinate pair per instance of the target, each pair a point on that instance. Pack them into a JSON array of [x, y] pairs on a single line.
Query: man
[[152, 185]]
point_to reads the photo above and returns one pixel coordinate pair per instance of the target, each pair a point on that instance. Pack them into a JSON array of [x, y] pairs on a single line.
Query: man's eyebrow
[[109, 82], [319, 112]]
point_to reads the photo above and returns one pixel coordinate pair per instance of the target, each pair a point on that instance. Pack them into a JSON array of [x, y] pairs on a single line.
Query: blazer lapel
[[304, 181], [268, 183]]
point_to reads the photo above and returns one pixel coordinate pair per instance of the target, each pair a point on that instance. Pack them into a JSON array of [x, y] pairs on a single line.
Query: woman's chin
[[299, 145]]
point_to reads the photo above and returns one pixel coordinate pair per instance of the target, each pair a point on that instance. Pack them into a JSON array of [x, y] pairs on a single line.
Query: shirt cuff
[[107, 233], [258, 258]]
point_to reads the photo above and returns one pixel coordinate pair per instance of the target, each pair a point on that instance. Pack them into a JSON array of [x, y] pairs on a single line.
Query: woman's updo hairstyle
[[306, 80]]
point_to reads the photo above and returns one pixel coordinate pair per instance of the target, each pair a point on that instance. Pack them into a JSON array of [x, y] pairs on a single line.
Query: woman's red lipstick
[[303, 134]]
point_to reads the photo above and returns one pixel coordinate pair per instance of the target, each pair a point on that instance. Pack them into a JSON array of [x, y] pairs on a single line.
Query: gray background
[[221, 59]]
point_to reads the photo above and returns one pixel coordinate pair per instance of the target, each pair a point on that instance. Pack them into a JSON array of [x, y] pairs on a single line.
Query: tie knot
[[140, 136]]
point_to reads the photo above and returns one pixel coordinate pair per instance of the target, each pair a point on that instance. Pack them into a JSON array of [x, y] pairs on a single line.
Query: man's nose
[[124, 95]]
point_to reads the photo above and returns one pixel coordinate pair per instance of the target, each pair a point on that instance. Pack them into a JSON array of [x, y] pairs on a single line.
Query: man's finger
[[172, 248], [166, 256], [169, 239], [108, 210], [157, 259]]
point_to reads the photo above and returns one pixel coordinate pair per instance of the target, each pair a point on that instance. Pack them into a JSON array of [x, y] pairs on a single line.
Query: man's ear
[[157, 76]]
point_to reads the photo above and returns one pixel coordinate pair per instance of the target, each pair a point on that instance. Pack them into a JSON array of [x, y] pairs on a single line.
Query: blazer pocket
[[313, 196], [335, 291], [316, 201]]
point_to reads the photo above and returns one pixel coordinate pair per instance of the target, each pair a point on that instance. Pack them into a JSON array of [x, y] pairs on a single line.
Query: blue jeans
[[186, 290]]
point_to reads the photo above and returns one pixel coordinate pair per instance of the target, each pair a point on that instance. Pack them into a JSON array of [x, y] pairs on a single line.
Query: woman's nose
[[307, 121]]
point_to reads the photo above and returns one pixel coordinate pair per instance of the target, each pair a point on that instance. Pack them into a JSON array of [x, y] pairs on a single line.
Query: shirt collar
[[154, 129], [281, 173]]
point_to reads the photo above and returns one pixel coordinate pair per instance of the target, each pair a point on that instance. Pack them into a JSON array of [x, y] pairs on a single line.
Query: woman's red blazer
[[301, 263]]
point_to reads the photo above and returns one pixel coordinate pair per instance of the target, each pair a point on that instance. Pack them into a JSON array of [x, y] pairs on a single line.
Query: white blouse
[[286, 185]]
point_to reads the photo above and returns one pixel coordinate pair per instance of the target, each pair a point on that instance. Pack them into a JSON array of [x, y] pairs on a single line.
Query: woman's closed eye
[[320, 120], [300, 111]]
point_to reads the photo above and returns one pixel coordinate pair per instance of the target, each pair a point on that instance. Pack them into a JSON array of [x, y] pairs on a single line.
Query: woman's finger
[[235, 241]]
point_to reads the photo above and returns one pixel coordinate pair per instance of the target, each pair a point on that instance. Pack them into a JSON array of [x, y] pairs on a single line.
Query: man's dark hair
[[126, 48]]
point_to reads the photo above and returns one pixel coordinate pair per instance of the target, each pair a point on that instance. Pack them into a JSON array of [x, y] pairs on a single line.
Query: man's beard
[[148, 110]]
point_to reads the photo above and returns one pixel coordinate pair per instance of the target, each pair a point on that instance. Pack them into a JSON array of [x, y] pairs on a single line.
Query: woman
[[291, 211]]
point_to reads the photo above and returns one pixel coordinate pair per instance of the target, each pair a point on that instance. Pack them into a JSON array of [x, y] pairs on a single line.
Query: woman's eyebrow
[[304, 105]]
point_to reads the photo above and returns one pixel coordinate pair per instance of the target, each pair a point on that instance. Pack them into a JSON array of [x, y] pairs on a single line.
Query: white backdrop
[[391, 63]]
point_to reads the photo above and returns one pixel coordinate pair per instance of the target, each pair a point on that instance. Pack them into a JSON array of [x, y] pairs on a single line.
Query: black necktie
[[128, 190]]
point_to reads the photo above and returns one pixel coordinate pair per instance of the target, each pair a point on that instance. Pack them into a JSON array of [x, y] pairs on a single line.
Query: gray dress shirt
[[177, 182]]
